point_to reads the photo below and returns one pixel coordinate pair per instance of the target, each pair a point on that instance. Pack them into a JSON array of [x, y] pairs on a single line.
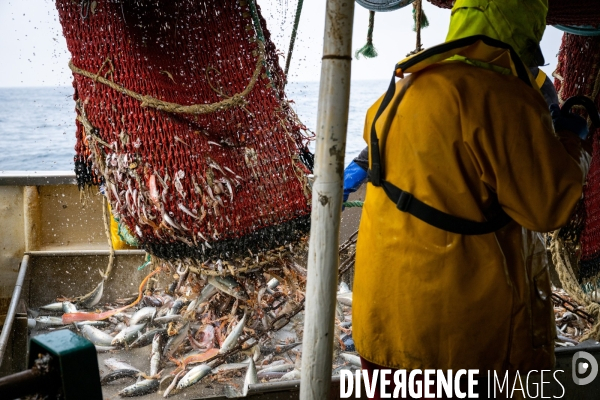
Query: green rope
[[424, 20], [259, 33], [368, 50], [293, 38], [256, 20], [125, 235], [350, 204], [147, 262]]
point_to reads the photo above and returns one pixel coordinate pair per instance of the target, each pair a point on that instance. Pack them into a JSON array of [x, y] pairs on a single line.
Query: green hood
[[520, 23]]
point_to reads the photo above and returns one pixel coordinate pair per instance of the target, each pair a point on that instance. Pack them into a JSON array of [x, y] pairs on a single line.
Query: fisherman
[[465, 142], [355, 174]]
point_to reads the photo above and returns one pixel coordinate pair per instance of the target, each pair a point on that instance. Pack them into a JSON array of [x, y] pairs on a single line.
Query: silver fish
[[96, 336], [53, 306], [294, 374], [345, 298], [228, 285], [277, 368], [279, 349], [251, 377], [171, 386], [68, 307], [118, 374], [270, 375], [207, 292], [104, 349], [90, 323], [233, 337], [194, 376], [128, 334], [140, 388], [168, 318], [175, 340], [142, 315], [171, 221], [273, 283], [230, 367], [351, 358], [155, 355], [343, 288], [114, 365], [147, 338], [177, 306], [187, 211], [92, 298], [55, 321]]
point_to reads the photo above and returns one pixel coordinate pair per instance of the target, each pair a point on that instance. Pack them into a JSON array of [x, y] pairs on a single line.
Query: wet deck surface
[[140, 358]]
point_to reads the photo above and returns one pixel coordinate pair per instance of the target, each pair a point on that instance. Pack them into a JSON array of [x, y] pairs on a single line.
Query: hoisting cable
[[293, 38]]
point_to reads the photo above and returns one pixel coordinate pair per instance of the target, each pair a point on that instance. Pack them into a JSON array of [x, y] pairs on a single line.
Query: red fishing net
[[562, 12], [578, 73], [183, 117]]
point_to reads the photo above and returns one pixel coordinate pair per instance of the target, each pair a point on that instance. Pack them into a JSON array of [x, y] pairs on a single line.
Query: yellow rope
[[111, 256], [237, 99]]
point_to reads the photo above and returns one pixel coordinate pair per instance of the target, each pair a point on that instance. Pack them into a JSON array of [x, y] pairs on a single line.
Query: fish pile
[[572, 321], [213, 320]]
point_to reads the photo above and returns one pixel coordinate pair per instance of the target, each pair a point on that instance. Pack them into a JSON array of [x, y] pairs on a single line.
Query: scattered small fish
[[90, 323], [146, 386], [142, 315], [278, 349], [46, 320], [104, 349], [128, 334], [207, 292], [273, 283], [168, 318], [96, 336], [343, 288], [194, 376], [118, 374], [147, 338], [233, 337], [345, 298], [174, 341], [172, 385], [53, 306], [251, 377], [115, 364], [277, 368], [155, 355], [294, 374], [92, 298], [352, 359], [228, 285]]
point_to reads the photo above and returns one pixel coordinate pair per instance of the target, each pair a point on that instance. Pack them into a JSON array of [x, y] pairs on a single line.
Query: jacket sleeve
[[362, 160], [537, 175]]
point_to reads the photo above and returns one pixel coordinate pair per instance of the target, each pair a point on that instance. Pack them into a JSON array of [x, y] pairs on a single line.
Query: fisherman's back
[[427, 298]]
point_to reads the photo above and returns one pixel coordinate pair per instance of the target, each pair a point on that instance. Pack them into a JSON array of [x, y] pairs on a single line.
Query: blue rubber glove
[[568, 122], [354, 176]]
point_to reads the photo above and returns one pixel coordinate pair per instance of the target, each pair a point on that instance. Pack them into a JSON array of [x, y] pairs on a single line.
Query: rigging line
[[293, 39]]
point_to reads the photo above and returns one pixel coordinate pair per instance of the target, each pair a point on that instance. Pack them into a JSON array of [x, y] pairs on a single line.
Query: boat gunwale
[[37, 178]]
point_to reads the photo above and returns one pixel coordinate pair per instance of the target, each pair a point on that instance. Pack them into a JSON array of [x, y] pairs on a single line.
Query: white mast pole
[[323, 260]]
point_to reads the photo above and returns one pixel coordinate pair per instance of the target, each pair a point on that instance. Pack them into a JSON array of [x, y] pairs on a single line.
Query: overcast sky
[[35, 54]]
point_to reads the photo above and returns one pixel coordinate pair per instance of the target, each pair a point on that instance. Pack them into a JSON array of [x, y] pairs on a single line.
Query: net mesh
[[577, 73], [182, 116], [562, 12]]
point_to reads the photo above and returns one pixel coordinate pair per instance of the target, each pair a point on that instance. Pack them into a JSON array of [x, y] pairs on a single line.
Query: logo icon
[[585, 368]]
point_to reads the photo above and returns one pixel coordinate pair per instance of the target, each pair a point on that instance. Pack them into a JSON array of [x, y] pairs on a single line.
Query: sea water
[[37, 125]]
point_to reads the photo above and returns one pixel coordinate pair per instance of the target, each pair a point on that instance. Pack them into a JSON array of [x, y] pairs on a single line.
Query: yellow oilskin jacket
[[428, 298]]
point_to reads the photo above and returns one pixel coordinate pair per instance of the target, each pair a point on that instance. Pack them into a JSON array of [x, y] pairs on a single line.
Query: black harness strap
[[408, 203], [405, 201]]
